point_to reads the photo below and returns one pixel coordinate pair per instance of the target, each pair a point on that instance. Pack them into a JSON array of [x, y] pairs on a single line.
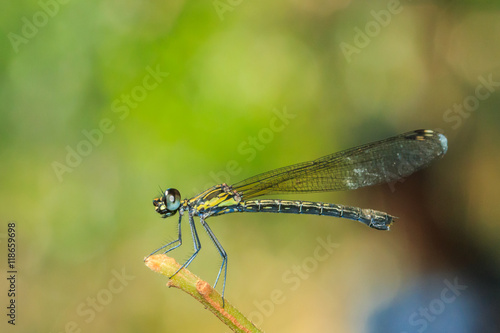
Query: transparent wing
[[370, 164]]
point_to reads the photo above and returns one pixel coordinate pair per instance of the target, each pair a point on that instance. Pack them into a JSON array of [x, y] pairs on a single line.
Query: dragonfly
[[379, 162]]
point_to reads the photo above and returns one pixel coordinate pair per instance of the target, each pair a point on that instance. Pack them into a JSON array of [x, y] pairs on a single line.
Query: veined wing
[[370, 164]]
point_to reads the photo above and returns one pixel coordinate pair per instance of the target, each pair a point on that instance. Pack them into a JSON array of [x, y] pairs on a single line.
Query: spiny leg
[[222, 253], [196, 243], [179, 239]]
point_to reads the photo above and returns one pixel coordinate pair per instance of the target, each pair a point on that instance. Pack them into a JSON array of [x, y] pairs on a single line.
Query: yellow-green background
[[227, 73]]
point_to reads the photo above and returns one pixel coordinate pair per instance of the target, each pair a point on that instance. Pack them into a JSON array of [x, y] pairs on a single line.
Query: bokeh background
[[103, 103]]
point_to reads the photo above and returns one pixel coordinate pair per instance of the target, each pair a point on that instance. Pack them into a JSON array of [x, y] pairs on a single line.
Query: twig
[[202, 291]]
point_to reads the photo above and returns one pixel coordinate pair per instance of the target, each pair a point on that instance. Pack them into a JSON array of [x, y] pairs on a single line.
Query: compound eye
[[172, 199]]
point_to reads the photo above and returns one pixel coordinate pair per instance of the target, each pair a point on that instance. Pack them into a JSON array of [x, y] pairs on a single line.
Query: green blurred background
[[189, 94]]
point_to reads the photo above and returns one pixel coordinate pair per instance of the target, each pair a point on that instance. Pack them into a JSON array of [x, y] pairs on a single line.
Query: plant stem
[[202, 291]]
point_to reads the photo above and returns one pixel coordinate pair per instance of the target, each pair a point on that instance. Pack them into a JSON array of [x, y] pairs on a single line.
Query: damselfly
[[379, 162]]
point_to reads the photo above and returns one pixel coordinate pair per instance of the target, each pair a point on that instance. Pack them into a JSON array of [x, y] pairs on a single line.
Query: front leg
[[179, 239]]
